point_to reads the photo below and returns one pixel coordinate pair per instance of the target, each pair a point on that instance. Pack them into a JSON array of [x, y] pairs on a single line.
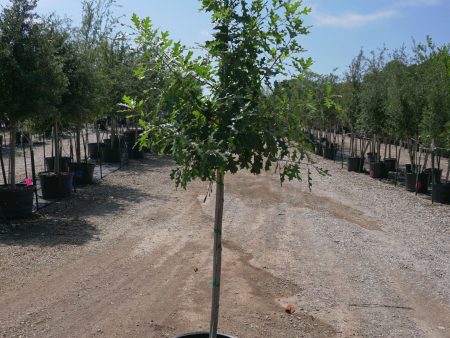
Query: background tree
[[351, 97], [373, 98], [32, 78]]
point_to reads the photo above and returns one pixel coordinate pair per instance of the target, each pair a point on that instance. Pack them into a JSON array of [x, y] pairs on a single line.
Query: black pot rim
[[19, 187], [53, 174], [83, 163], [192, 334]]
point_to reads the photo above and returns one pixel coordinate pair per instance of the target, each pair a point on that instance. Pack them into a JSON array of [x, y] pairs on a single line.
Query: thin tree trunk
[[78, 144], [217, 260], [5, 180], [25, 159], [33, 173], [43, 146], [12, 156], [56, 140], [85, 144]]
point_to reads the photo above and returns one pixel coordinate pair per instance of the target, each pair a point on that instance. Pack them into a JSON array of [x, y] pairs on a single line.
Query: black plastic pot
[[437, 174], [355, 164], [330, 152], [390, 164], [131, 137], [441, 193], [378, 170], [118, 141], [83, 173], [64, 164], [412, 182], [93, 150], [318, 149], [202, 335], [373, 157], [16, 203], [409, 168], [110, 155], [55, 185]]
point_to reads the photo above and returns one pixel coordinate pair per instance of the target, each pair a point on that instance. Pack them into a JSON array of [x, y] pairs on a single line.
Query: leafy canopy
[[213, 113]]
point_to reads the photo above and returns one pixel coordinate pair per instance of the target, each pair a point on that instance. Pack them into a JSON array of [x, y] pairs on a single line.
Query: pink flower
[[28, 182]]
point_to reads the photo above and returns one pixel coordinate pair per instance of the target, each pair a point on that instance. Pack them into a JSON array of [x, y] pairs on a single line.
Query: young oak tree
[[212, 114]]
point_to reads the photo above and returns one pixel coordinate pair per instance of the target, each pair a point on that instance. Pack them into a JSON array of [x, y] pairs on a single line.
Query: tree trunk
[[217, 263], [12, 156], [78, 144], [56, 140]]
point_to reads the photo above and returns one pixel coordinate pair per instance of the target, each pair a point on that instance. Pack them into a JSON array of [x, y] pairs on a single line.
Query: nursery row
[[112, 153], [388, 164]]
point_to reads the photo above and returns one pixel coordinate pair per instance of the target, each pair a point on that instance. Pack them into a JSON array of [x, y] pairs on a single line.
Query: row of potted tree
[[385, 102], [57, 78]]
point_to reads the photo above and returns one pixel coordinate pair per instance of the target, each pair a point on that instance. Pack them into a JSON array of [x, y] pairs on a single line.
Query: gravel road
[[131, 257]]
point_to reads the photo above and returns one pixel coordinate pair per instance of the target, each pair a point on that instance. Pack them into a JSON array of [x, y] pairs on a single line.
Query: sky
[[339, 28]]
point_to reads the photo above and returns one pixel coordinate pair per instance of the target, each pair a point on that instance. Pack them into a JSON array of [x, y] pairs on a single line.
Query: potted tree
[[372, 116], [233, 125], [118, 63], [354, 78], [31, 82], [55, 183], [79, 103], [436, 116], [397, 106]]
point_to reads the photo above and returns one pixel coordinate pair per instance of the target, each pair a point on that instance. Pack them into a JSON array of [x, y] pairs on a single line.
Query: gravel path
[[130, 257]]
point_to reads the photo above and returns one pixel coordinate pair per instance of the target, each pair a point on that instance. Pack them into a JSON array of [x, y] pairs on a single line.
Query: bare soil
[[131, 257]]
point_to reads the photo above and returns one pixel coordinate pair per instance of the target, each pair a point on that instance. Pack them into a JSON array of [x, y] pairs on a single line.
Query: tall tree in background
[[32, 80]]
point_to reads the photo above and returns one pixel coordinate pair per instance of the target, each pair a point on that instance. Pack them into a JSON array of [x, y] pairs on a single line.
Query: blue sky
[[339, 27]]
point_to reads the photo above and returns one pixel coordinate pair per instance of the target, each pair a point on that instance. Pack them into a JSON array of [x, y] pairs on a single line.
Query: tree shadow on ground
[[47, 231], [67, 221], [150, 163], [103, 200]]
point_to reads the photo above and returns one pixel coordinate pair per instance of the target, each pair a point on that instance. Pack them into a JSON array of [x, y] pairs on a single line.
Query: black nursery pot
[[378, 170], [55, 185], [110, 155], [437, 174], [372, 157], [330, 152], [441, 193], [318, 149], [64, 163], [355, 164], [202, 335], [93, 150], [412, 168], [412, 182], [18, 203], [390, 163], [83, 173], [131, 137]]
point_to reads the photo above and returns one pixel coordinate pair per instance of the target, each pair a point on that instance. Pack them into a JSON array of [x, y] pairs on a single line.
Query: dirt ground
[[131, 257]]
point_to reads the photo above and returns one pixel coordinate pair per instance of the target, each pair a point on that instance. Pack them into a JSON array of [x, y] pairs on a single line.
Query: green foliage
[[373, 95], [313, 99], [211, 112], [32, 80], [437, 109], [351, 92]]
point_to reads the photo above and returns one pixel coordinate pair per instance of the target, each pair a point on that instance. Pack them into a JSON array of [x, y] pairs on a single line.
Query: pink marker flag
[[28, 181]]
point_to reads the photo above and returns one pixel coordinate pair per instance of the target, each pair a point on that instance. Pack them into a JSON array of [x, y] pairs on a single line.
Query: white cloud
[[351, 20], [410, 3]]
